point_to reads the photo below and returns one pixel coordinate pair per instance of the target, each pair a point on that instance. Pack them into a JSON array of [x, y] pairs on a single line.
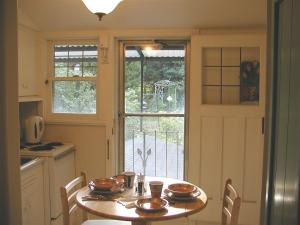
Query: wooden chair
[[231, 205], [69, 206]]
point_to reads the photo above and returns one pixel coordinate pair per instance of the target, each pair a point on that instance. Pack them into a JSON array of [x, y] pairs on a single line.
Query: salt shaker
[[140, 184]]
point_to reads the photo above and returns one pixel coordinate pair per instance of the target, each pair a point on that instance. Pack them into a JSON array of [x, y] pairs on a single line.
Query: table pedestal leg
[[140, 223]]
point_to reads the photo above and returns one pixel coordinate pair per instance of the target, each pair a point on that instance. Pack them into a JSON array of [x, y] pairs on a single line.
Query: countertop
[[56, 152]]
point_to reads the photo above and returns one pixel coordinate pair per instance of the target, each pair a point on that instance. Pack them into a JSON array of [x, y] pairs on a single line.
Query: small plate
[[192, 196], [151, 205], [114, 190], [181, 189]]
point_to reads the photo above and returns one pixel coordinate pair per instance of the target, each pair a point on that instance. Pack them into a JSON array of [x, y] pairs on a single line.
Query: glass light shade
[[101, 6]]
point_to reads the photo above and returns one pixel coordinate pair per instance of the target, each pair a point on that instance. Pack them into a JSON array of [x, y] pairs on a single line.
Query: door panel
[[233, 145], [253, 154], [211, 141]]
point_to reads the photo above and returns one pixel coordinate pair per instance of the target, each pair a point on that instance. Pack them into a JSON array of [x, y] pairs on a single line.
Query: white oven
[[60, 163]]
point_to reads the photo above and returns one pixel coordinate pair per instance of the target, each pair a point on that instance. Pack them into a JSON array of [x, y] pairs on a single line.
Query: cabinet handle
[[107, 149], [25, 86], [263, 125]]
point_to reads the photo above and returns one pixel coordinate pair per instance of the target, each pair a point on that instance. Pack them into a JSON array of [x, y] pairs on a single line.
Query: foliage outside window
[[75, 69]]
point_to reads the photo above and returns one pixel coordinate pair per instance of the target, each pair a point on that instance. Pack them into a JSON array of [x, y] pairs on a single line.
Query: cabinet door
[[27, 61], [62, 171], [225, 121], [33, 196]]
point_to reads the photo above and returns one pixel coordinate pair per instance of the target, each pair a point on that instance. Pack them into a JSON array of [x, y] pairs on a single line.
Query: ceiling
[[52, 15]]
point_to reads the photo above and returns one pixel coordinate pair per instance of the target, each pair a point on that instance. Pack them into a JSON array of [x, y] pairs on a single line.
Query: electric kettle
[[34, 129]]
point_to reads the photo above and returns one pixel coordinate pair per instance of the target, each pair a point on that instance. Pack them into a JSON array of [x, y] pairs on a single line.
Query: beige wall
[[90, 144]]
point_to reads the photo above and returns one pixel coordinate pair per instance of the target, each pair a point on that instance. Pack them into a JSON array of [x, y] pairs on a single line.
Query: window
[[73, 78]]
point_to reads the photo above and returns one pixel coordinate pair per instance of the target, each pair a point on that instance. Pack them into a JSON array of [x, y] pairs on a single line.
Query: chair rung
[[232, 190], [72, 197], [73, 183], [73, 209], [228, 200], [226, 211]]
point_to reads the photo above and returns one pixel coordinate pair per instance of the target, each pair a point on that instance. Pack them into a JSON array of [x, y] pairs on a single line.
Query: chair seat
[[106, 222]]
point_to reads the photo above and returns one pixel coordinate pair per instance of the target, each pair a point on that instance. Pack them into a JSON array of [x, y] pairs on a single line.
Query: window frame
[[50, 79]]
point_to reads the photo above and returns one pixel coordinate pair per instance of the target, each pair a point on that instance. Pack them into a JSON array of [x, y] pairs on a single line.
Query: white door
[[227, 107]]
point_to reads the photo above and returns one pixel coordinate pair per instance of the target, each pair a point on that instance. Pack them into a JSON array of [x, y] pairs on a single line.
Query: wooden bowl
[[103, 183], [181, 189]]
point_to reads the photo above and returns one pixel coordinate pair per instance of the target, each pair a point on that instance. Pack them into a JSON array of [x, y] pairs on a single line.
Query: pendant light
[[101, 7]]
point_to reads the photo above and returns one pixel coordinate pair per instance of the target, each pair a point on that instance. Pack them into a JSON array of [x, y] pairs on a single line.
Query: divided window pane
[[75, 60], [230, 75]]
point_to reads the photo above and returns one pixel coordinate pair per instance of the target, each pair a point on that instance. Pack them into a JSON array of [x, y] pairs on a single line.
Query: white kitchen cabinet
[[33, 194], [60, 169], [27, 61]]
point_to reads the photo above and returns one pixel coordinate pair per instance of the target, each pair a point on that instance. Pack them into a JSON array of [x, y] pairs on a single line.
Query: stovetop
[[41, 146]]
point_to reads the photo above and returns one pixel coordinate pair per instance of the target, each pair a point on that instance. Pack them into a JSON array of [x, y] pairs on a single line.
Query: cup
[[156, 188], [129, 179]]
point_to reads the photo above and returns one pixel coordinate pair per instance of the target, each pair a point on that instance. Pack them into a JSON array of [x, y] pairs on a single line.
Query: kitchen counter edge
[[34, 162], [55, 153]]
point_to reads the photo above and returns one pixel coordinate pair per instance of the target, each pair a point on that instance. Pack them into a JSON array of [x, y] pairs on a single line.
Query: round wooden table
[[115, 210]]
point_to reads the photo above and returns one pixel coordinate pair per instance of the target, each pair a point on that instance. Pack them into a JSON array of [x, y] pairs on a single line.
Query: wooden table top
[[117, 211]]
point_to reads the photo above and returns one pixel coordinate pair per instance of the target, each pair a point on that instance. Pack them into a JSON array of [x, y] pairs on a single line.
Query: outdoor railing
[[155, 153]]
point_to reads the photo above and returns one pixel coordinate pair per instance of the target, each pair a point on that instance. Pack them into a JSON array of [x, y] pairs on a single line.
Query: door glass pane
[[231, 56], [155, 145], [230, 75], [132, 85], [154, 82], [212, 76]]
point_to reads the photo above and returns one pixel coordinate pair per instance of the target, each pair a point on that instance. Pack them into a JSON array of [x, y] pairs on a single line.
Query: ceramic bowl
[[181, 189], [103, 183]]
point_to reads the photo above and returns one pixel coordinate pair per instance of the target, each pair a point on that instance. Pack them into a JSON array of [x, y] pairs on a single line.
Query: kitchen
[[94, 137]]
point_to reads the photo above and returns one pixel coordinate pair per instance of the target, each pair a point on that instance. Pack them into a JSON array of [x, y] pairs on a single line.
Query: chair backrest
[[231, 204], [68, 198]]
